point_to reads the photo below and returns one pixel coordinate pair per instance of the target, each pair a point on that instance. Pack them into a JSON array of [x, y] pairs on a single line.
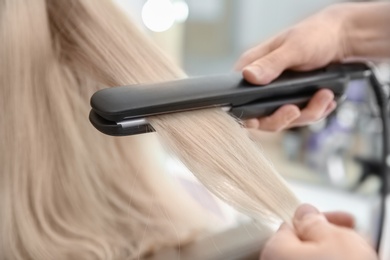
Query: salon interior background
[[207, 37]]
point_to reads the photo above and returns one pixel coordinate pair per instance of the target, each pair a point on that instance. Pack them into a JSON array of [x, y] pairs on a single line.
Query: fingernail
[[331, 107], [255, 71], [291, 114], [326, 99], [304, 211]]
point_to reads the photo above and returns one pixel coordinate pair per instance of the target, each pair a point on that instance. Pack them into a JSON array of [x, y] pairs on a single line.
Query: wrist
[[339, 17], [352, 32], [365, 32]]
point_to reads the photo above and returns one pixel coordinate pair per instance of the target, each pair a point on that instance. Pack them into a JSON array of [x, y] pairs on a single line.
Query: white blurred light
[[347, 115], [181, 11], [158, 15]]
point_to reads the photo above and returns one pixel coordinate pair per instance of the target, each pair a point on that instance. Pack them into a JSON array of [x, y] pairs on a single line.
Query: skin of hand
[[334, 34], [318, 236]]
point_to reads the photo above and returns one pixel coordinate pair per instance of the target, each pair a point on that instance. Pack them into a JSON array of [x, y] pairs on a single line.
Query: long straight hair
[[69, 192]]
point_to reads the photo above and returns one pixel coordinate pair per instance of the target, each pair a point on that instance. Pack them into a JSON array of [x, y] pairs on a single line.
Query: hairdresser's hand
[[317, 236], [311, 44]]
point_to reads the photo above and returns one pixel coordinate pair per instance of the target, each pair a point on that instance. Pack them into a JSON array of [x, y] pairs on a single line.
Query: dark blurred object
[[370, 167]]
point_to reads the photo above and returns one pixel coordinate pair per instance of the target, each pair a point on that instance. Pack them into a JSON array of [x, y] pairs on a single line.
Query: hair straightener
[[123, 110]]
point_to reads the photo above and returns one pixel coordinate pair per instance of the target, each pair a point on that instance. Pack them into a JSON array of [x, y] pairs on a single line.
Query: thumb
[[269, 67], [311, 225]]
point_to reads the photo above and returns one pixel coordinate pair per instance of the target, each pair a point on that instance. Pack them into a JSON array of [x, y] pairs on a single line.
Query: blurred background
[[207, 37], [333, 163]]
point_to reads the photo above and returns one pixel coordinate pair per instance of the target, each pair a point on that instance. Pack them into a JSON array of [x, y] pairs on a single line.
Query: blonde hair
[[221, 154], [69, 192]]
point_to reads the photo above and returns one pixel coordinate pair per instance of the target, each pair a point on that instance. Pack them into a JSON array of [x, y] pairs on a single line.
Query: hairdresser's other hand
[[316, 236], [312, 43]]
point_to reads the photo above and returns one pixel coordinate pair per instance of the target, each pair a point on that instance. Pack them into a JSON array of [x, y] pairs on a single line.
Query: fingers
[[266, 69], [314, 237], [279, 120], [330, 108], [311, 225], [255, 53], [284, 238], [341, 219], [319, 106]]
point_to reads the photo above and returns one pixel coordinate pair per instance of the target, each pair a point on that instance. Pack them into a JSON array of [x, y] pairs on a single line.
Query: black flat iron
[[121, 111]]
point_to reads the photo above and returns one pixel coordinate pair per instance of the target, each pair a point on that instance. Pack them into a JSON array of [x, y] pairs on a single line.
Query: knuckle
[[291, 32], [274, 58], [309, 224]]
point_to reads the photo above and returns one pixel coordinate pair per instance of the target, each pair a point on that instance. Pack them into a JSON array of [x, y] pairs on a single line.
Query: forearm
[[367, 30]]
